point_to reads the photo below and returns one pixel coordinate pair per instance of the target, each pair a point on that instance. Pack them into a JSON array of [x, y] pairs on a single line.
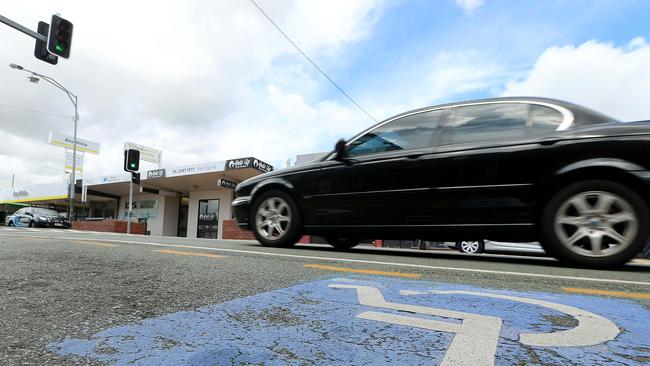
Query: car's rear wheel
[[471, 246], [595, 223], [31, 224], [342, 243], [275, 219]]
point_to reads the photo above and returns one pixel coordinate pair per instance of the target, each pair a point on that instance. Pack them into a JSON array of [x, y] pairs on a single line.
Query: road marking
[[592, 329], [195, 254], [346, 260], [628, 295], [96, 244], [476, 338], [364, 271]]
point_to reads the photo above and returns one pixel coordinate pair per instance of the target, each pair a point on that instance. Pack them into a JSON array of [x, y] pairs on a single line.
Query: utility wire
[[34, 111], [312, 62], [31, 162]]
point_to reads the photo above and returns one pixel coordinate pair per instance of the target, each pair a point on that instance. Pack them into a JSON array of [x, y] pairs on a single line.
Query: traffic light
[[59, 38], [131, 160], [135, 178], [40, 50]]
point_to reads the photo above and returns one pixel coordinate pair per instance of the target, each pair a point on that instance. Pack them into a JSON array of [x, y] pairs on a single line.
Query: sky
[[210, 80]]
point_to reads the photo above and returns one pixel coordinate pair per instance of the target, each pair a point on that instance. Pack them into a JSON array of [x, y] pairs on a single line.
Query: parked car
[[506, 169], [489, 246], [37, 217]]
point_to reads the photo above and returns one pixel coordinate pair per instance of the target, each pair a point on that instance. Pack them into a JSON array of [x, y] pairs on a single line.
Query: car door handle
[[548, 141]]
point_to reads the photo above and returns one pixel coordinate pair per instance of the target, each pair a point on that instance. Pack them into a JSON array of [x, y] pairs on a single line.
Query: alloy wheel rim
[[273, 218], [469, 246], [596, 224]]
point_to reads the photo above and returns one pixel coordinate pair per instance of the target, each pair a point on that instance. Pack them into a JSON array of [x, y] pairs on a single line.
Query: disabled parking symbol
[[361, 320], [592, 329]]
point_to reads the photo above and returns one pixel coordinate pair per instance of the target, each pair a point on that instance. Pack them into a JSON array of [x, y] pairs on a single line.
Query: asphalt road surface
[[69, 298]]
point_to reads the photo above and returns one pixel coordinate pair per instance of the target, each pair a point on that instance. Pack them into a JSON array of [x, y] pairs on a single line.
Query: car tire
[[11, 223], [342, 243], [275, 219], [595, 223], [31, 224], [470, 246]]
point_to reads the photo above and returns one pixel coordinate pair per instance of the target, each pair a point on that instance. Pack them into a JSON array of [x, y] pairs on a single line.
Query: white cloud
[[189, 78], [612, 80], [470, 5]]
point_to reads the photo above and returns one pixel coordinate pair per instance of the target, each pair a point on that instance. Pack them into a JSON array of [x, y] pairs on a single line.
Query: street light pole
[[73, 98]]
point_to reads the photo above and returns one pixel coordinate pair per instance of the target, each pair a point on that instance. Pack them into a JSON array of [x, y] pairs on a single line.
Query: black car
[[506, 169], [37, 217]]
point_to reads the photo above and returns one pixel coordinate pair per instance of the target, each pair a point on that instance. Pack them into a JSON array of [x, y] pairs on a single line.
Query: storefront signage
[[22, 193], [146, 153], [243, 163], [68, 142], [195, 169], [225, 183], [157, 173]]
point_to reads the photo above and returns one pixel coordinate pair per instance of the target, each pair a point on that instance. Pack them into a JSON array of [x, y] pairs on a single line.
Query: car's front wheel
[[342, 243], [31, 223], [471, 246], [11, 223], [595, 223], [275, 219]]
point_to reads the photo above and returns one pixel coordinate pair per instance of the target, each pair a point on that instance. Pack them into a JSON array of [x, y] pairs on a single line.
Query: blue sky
[[219, 82], [512, 34]]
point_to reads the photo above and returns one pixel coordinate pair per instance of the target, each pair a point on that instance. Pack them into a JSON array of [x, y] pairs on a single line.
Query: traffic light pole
[[128, 222], [20, 28]]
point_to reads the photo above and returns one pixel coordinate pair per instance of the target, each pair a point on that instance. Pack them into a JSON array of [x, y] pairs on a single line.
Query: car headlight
[[42, 218]]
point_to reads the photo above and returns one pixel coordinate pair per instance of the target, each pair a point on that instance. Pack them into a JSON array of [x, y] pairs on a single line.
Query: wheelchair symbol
[[476, 337]]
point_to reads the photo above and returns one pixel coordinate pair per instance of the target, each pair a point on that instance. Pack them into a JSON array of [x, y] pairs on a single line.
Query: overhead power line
[[34, 111], [31, 162], [312, 62]]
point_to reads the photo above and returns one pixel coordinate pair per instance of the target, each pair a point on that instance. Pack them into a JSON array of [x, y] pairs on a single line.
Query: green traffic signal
[[59, 47]]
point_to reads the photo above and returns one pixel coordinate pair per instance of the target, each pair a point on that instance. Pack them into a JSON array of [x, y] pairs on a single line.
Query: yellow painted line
[[628, 295], [363, 271], [96, 244], [194, 254]]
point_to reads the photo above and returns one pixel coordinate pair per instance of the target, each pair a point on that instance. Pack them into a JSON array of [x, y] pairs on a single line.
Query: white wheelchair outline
[[477, 336]]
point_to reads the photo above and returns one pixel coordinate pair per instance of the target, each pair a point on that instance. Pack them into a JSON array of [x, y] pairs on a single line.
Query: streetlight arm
[[73, 98]]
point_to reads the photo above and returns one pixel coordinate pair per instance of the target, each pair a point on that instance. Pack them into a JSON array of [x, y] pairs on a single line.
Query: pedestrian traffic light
[[59, 38], [131, 160], [135, 178], [40, 50]]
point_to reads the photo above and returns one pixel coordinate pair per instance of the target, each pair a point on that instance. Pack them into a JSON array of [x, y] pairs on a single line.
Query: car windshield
[[45, 212]]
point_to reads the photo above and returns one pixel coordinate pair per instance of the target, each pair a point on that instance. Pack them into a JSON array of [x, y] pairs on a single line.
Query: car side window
[[544, 119], [409, 132], [486, 122]]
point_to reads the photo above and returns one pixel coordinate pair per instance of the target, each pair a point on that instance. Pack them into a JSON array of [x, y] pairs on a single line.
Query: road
[[71, 298]]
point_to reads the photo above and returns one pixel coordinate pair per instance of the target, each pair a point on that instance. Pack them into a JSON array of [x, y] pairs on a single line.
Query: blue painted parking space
[[380, 321]]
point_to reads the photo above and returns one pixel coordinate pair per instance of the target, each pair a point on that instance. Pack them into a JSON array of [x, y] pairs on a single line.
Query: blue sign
[[379, 321]]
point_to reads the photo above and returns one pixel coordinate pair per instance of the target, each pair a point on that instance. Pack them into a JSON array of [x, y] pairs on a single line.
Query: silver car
[[488, 246]]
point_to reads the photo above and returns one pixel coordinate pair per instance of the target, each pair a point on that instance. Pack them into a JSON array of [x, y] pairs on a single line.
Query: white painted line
[[592, 329], [30, 229], [475, 340], [346, 260]]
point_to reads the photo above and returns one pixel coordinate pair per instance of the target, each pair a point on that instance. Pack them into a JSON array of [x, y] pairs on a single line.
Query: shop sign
[[195, 169], [146, 153], [243, 163], [225, 183], [157, 173], [68, 142], [21, 193]]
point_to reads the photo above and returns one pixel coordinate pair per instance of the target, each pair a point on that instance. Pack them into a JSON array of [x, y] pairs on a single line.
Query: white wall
[[224, 196]]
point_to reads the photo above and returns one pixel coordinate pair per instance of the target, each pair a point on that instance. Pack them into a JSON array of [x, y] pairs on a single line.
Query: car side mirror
[[341, 150], [28, 214]]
